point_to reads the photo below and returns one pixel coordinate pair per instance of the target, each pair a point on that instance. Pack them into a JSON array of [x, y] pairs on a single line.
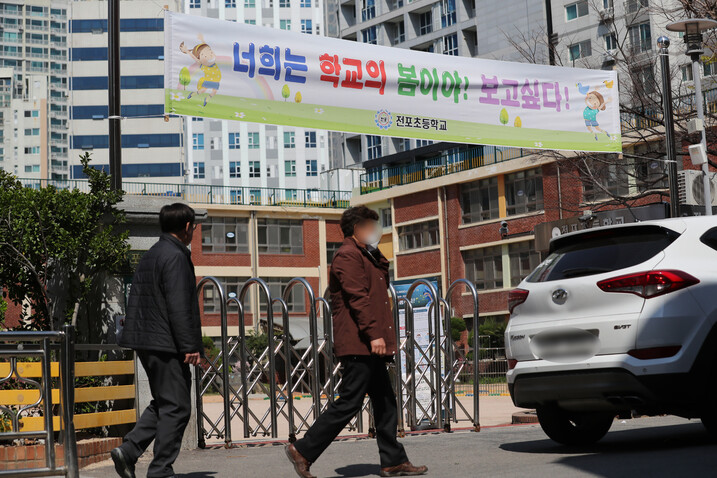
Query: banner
[[229, 70]]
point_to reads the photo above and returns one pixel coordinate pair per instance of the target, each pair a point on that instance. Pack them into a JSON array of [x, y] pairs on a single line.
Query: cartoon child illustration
[[203, 55], [595, 102]]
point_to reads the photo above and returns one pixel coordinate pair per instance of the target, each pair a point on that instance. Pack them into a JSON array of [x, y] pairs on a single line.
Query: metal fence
[[15, 346], [209, 194], [450, 162], [260, 389]]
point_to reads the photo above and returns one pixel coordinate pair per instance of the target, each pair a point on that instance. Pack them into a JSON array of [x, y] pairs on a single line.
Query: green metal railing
[[449, 162], [209, 194]]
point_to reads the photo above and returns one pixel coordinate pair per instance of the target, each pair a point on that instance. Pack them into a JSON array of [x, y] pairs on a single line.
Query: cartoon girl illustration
[[595, 102], [203, 55]]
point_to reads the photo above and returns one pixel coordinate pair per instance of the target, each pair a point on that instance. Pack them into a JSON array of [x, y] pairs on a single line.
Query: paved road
[[646, 447]]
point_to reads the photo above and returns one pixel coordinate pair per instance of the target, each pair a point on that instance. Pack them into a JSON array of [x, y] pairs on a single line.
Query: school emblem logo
[[383, 119]]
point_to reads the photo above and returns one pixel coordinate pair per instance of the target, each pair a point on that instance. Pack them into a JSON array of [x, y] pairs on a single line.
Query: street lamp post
[[664, 43], [692, 29]]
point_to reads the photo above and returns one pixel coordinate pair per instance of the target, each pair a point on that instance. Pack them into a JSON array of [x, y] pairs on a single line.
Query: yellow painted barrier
[[86, 420], [82, 369], [33, 370], [89, 394]]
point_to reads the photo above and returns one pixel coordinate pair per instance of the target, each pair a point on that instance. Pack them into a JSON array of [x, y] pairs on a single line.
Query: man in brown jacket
[[364, 340]]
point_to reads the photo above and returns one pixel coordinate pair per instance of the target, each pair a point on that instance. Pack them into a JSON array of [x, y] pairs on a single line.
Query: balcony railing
[[441, 165], [208, 194]]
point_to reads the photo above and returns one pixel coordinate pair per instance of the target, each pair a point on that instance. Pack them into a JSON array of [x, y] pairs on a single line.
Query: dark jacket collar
[[176, 242]]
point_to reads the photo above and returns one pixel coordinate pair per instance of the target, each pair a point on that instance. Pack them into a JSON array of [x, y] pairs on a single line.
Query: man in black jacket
[[163, 326]]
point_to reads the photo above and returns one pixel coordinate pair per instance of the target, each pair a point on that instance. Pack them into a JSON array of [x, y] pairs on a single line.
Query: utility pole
[[664, 43], [115, 110]]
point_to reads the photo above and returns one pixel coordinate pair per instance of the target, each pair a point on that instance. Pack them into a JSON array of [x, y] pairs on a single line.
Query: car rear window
[[709, 238], [602, 250]]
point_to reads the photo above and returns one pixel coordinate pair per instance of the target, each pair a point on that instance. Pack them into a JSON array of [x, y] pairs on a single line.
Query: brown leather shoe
[[404, 469], [301, 464]]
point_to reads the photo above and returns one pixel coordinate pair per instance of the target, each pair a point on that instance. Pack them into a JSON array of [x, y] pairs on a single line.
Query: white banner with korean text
[[229, 70]]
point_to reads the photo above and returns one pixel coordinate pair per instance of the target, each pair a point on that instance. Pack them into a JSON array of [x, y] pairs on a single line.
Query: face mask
[[373, 239]]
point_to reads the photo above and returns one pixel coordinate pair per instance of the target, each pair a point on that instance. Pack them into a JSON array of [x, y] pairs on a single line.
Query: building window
[[32, 150], [709, 68], [331, 248], [249, 3], [632, 6], [253, 141], [195, 3], [285, 24], [373, 146], [640, 37], [645, 80], [291, 194], [284, 3], [32, 131], [523, 259], [524, 191], [234, 169], [225, 235], [305, 3], [290, 168], [484, 267], [423, 142], [419, 235], [312, 168], [576, 10], [310, 139], [250, 21], [230, 3], [199, 170], [306, 26], [580, 50], [280, 236], [400, 32], [368, 10], [425, 23], [289, 139], [448, 12], [604, 181], [610, 41], [369, 35], [450, 45], [254, 169], [277, 287], [686, 73], [232, 287], [234, 142], [197, 141], [32, 169], [479, 200], [385, 215]]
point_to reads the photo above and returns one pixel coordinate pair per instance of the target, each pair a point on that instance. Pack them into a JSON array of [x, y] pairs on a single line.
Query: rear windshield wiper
[[584, 271]]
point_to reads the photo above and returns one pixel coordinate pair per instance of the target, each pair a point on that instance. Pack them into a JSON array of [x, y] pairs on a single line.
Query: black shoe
[[123, 467]]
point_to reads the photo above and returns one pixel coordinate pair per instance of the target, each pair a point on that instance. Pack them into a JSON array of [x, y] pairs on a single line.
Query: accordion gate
[[314, 370]]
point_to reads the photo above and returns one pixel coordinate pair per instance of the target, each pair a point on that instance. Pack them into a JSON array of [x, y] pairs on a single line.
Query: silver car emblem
[[560, 296]]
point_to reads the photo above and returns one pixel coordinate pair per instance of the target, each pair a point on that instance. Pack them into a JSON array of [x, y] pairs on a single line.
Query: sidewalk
[[493, 411]]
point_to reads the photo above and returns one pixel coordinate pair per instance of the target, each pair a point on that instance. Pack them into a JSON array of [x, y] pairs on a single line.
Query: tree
[[639, 174], [184, 77], [285, 92], [57, 244]]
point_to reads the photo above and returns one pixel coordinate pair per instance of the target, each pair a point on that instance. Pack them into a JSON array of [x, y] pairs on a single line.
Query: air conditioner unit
[[691, 189], [609, 56], [606, 14]]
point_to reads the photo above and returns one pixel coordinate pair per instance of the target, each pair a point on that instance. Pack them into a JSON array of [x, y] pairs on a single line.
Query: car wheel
[[574, 428]]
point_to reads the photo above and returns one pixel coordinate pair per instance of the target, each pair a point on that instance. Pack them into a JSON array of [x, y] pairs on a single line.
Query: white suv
[[618, 320]]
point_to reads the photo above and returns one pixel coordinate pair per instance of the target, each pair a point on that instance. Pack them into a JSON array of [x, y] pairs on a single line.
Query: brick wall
[[33, 456], [416, 206]]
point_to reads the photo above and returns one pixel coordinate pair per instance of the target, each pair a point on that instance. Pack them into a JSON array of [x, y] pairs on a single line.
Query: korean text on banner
[[229, 70]]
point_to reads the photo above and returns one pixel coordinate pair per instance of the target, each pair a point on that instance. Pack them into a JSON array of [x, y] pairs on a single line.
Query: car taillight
[[512, 363], [649, 284], [515, 298]]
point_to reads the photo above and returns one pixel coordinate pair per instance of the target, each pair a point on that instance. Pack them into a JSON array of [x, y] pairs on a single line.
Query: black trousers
[[167, 415], [361, 375]]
